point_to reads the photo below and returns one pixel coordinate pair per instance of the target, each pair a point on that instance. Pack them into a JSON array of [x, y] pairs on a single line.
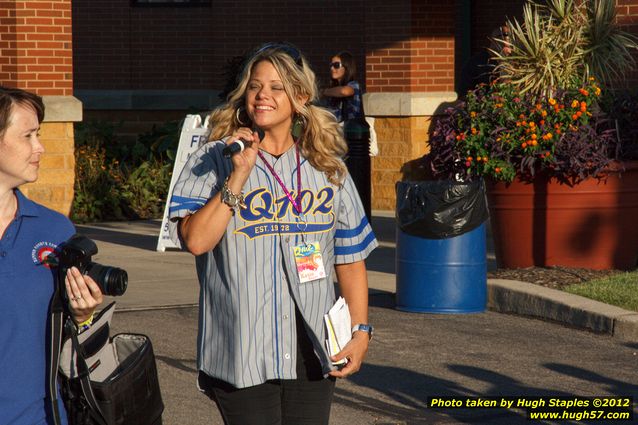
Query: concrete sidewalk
[[168, 279]]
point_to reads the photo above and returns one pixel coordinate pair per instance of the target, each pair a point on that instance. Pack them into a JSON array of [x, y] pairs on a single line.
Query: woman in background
[[344, 100]]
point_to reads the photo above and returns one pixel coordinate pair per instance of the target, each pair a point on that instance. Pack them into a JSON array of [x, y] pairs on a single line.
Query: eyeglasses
[[289, 49], [336, 65]]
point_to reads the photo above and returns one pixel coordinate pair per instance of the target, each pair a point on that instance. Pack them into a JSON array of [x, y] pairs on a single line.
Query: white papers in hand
[[338, 328]]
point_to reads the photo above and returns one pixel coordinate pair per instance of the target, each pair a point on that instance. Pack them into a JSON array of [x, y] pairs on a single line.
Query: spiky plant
[[562, 43], [608, 54]]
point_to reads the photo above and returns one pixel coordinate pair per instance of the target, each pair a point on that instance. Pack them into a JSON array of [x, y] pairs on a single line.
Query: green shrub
[[122, 181]]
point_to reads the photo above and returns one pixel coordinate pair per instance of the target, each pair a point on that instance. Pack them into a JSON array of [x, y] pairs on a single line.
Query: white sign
[[193, 135]]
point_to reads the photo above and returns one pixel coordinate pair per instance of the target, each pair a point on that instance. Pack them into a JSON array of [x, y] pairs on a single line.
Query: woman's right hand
[[243, 162]]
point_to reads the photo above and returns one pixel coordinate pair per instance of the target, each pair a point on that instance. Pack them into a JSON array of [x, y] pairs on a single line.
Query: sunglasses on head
[[289, 49], [336, 65]]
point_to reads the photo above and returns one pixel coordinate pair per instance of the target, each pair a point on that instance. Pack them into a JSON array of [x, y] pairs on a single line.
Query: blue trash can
[[442, 275]]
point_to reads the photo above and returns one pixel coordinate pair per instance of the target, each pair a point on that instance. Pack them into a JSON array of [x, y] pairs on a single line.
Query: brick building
[[36, 54], [144, 61]]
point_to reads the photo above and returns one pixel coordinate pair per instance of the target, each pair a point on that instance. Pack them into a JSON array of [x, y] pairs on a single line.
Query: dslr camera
[[77, 251]]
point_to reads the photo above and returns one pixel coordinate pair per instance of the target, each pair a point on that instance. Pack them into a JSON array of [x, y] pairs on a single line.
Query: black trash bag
[[440, 209]]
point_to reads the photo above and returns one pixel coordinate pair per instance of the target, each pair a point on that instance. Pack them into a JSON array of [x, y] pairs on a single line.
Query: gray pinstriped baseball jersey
[[249, 283]]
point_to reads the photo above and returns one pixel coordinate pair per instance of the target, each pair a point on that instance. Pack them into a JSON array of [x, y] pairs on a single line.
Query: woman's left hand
[[83, 293], [355, 351]]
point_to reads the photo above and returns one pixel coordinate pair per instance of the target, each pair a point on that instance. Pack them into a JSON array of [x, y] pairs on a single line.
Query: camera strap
[[84, 373], [58, 325], [54, 362]]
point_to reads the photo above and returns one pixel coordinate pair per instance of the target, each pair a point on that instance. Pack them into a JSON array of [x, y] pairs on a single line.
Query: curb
[[510, 296]]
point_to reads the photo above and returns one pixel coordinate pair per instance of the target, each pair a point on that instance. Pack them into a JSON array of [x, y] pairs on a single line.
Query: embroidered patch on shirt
[[43, 254]]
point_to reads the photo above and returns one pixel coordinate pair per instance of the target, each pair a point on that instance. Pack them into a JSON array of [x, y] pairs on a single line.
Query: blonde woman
[[269, 225]]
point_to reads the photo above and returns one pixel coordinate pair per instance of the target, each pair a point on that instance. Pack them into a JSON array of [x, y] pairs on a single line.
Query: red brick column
[[36, 55], [409, 74]]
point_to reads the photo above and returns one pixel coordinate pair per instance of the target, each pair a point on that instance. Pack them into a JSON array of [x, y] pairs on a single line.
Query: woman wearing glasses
[[343, 99], [344, 93], [268, 225]]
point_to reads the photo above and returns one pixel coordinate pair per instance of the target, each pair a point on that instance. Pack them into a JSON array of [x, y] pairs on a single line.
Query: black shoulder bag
[[104, 380]]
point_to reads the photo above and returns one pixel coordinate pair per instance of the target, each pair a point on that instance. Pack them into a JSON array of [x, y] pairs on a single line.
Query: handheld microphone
[[240, 144]]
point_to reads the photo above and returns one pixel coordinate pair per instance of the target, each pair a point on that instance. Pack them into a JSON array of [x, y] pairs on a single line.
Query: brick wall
[[54, 187], [409, 46], [119, 47], [36, 55], [35, 46], [489, 14]]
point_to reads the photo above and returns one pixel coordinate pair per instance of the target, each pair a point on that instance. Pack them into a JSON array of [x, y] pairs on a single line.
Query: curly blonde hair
[[321, 140]]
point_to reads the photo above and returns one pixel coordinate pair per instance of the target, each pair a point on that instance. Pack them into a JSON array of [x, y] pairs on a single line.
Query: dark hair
[[348, 62], [12, 96]]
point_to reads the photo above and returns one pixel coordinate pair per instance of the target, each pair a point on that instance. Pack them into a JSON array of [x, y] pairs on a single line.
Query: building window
[[171, 3]]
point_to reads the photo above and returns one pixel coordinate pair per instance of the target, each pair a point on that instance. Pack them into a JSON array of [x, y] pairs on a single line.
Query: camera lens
[[111, 280]]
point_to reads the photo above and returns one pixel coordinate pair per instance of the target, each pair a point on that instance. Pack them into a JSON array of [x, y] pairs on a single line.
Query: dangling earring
[[238, 112], [298, 126]]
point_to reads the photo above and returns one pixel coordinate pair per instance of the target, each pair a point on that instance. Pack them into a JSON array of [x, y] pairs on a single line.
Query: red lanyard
[[295, 202]]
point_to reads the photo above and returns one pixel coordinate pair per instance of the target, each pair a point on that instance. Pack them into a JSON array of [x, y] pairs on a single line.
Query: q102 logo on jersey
[[266, 213]]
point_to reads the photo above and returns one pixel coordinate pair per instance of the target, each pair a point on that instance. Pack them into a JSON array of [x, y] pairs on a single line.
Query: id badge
[[309, 262]]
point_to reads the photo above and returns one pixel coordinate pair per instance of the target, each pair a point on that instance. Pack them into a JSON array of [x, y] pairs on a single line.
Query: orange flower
[[473, 114], [575, 104], [552, 101], [583, 92]]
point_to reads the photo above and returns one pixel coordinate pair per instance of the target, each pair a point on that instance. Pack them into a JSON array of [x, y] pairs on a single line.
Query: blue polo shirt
[[26, 288]]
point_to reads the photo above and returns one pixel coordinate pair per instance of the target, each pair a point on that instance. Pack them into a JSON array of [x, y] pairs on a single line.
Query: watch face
[[365, 328]]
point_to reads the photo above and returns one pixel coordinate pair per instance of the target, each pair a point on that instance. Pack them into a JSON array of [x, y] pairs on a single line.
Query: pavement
[[580, 348], [170, 278]]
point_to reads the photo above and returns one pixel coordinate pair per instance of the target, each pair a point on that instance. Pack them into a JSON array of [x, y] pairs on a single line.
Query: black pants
[[302, 401]]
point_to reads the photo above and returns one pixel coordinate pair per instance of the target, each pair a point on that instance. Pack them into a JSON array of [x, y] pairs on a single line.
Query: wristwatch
[[231, 199], [364, 327]]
